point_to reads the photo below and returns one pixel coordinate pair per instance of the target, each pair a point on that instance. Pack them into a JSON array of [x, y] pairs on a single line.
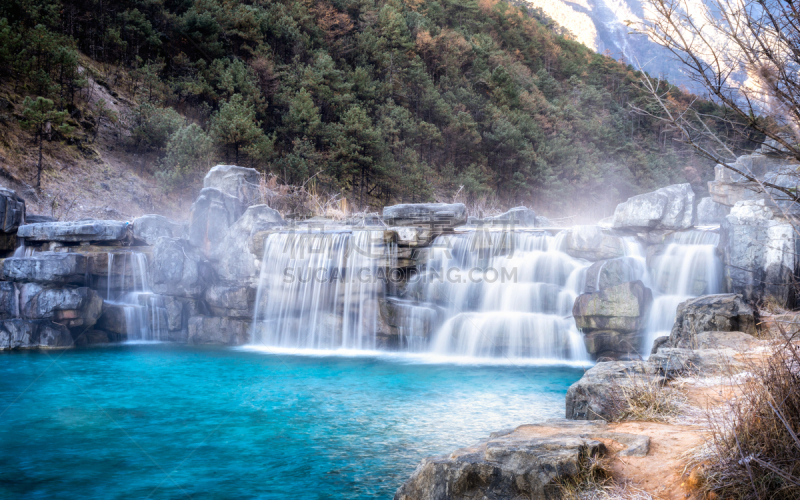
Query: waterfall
[[127, 286], [505, 294], [320, 290], [688, 267]]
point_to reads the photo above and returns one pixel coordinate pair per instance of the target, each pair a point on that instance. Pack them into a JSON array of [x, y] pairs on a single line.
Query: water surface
[[166, 421]]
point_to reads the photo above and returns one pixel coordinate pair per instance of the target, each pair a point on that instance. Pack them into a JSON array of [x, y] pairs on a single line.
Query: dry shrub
[[594, 474], [754, 450], [641, 397], [299, 202]]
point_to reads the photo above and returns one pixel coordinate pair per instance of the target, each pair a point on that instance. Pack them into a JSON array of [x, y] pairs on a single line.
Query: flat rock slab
[[28, 334], [438, 216], [47, 267], [78, 231], [526, 462]]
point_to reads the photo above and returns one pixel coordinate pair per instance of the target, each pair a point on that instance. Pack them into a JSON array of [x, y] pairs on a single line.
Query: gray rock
[[710, 212], [75, 308], [219, 331], [516, 217], [759, 254], [26, 334], [530, 462], [622, 308], [595, 396], [711, 313], [674, 362], [239, 182], [147, 229], [98, 231], [231, 301], [36, 219], [439, 216], [9, 305], [593, 243], [237, 254], [112, 319], [611, 344], [607, 273], [12, 210], [178, 269], [671, 207], [47, 267], [212, 214], [542, 221]]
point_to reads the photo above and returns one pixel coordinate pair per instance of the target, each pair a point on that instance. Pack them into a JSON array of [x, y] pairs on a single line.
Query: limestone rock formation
[[73, 307], [516, 217], [671, 207], [438, 216], [527, 462], [22, 334], [611, 272], [709, 212], [622, 308], [97, 231], [47, 267], [212, 214], [758, 253], [239, 182], [178, 269], [711, 313], [595, 395], [147, 229], [220, 331], [594, 243], [12, 210]]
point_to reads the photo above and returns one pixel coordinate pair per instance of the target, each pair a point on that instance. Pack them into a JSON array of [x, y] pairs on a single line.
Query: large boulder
[[596, 395], [26, 334], [97, 231], [622, 308], [234, 255], [607, 273], [12, 210], [709, 212], [671, 207], [9, 307], [759, 254], [612, 344], [218, 331], [711, 313], [178, 269], [231, 301], [516, 217], [530, 462], [239, 182], [212, 214], [75, 308], [47, 267], [438, 216], [147, 229], [593, 243]]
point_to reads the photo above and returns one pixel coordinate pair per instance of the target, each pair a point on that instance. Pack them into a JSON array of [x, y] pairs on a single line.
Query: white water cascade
[[688, 267], [127, 286], [320, 290], [505, 294]]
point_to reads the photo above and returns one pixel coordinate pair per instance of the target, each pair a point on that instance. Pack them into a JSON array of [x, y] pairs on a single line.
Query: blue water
[[165, 421]]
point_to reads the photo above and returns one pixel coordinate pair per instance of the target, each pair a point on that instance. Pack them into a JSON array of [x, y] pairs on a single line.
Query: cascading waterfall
[[688, 267], [320, 290], [127, 286], [506, 294]]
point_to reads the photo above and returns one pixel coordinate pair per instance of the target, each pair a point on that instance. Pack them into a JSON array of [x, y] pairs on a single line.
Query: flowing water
[[688, 267], [127, 285], [166, 421]]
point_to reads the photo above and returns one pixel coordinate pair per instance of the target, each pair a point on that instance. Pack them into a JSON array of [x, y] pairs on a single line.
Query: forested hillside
[[382, 101]]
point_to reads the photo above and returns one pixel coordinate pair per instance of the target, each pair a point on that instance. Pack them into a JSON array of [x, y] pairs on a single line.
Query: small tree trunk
[[39, 165]]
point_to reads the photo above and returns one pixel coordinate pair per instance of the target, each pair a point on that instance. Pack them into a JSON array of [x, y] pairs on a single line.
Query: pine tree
[[41, 118], [235, 124]]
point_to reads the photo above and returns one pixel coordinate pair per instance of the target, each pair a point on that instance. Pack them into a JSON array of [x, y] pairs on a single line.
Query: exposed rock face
[[9, 307], [711, 313], [542, 221], [593, 397], [73, 307], [236, 261], [212, 214], [178, 269], [622, 308], [12, 210], [711, 354], [239, 182], [525, 463], [149, 228], [710, 212], [21, 334], [516, 217], [758, 253], [671, 207], [231, 301], [439, 216], [47, 267], [99, 231], [594, 243], [607, 273], [611, 344], [220, 331]]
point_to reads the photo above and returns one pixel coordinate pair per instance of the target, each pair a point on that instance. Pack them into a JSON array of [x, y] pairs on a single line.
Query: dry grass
[[754, 449], [595, 482], [647, 399]]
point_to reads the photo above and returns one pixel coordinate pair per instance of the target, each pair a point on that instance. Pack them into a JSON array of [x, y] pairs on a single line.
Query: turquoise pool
[[165, 421]]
